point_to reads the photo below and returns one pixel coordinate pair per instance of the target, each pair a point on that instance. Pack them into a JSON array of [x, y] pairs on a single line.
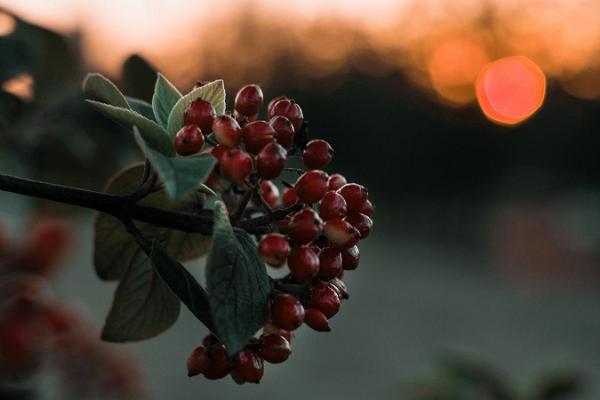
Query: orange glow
[[7, 24], [21, 86], [510, 90]]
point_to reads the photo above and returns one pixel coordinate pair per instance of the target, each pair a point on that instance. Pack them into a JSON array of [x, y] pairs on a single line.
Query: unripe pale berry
[[270, 161], [350, 258], [269, 192], [219, 363], [325, 299], [235, 165], [274, 249], [355, 196], [291, 110], [274, 348], [340, 233], [316, 320], [198, 361], [360, 221], [317, 154], [284, 130], [248, 100], [289, 197], [257, 135], [332, 205], [330, 263], [189, 140], [201, 114], [367, 209], [303, 263], [305, 226], [227, 131], [248, 365], [287, 312], [311, 186], [336, 181], [272, 104]]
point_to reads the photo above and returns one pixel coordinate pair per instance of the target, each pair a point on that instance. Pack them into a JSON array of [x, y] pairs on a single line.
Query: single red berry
[[355, 196], [360, 221], [332, 205], [325, 299], [330, 263], [271, 160], [269, 192], [316, 320], [287, 312], [350, 258], [303, 263], [340, 287], [284, 130], [235, 165], [189, 140], [274, 249], [272, 104], [311, 186], [336, 181], [289, 109], [289, 197], [274, 348], [237, 378], [201, 114], [227, 131], [218, 151], [219, 363], [367, 209], [198, 361], [340, 233], [248, 100], [257, 135], [248, 365], [305, 226], [317, 154], [45, 245]]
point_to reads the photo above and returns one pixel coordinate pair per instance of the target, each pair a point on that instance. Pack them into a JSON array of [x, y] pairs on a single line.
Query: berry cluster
[[321, 219]]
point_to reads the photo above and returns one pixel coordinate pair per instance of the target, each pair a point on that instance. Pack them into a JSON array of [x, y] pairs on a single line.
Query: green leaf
[[180, 175], [114, 247], [154, 135], [164, 99], [143, 306], [141, 107], [237, 283], [98, 87], [183, 284], [213, 92]]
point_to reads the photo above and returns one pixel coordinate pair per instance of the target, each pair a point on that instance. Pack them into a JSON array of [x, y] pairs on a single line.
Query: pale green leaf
[[98, 87], [164, 99]]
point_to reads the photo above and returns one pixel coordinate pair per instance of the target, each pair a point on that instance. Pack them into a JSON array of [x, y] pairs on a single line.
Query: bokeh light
[[7, 24]]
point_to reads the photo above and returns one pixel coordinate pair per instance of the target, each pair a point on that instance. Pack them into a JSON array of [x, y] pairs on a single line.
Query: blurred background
[[474, 125]]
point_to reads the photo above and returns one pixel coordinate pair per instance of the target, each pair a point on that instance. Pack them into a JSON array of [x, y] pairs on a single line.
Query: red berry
[[303, 262], [248, 100], [317, 154], [274, 348], [201, 114], [269, 192], [218, 151], [271, 160], [235, 165], [274, 249], [257, 135], [340, 287], [269, 328], [289, 109], [284, 130], [311, 186], [198, 361], [287, 312], [289, 197], [330, 263], [325, 299], [219, 363], [363, 223], [45, 246], [272, 104], [332, 205], [189, 140], [227, 131], [367, 209], [355, 196], [210, 340], [336, 181], [248, 365], [305, 226], [316, 320], [350, 258], [340, 233]]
